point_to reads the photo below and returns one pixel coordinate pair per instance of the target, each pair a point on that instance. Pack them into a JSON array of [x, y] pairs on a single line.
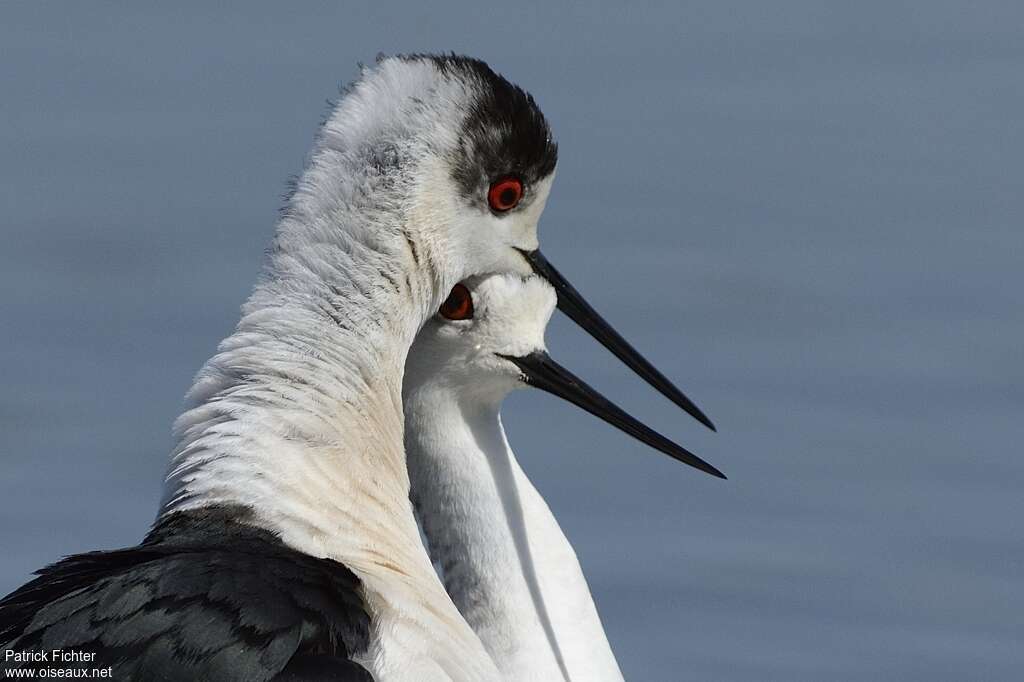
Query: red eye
[[505, 194], [458, 305]]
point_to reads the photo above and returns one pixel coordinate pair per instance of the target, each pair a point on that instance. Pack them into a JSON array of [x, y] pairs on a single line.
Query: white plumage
[[299, 415], [507, 564]]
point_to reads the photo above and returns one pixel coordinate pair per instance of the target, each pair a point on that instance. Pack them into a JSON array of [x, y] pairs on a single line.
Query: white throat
[[505, 561], [299, 414]]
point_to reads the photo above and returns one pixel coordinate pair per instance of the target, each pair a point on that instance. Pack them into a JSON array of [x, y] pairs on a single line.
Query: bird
[[504, 559], [285, 545]]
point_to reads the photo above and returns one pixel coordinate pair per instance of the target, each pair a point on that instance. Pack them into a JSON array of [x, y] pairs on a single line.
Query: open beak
[[541, 371], [579, 311]]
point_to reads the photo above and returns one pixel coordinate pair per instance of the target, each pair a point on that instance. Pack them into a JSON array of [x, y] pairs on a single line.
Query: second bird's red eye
[[505, 194], [458, 305]]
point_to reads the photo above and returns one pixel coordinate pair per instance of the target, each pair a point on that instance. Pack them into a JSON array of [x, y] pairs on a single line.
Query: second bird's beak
[[541, 371], [579, 311]]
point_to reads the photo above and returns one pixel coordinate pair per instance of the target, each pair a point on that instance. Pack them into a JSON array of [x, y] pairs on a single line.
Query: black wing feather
[[204, 597]]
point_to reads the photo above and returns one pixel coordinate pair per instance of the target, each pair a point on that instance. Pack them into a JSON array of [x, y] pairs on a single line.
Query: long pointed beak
[[541, 371], [575, 306]]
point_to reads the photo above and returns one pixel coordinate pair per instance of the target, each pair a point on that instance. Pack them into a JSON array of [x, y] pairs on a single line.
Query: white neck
[[299, 415], [505, 561]]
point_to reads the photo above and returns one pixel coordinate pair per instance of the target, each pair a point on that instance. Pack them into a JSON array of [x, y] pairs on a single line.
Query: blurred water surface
[[807, 213]]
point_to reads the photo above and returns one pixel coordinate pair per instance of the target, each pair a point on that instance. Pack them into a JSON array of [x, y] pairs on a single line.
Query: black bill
[[579, 311], [541, 371]]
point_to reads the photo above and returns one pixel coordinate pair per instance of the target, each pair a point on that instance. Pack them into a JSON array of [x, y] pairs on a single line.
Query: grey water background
[[809, 214]]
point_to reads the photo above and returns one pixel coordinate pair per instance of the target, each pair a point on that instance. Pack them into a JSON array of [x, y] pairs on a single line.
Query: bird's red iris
[[505, 194], [458, 305]]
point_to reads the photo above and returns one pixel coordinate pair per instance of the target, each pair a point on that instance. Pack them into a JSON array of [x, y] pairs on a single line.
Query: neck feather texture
[[505, 560], [299, 417]]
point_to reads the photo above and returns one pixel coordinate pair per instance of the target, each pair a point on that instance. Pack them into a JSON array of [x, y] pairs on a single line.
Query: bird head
[[487, 339]]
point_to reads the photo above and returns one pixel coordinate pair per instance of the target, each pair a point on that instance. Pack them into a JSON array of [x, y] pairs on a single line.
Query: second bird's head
[[487, 340]]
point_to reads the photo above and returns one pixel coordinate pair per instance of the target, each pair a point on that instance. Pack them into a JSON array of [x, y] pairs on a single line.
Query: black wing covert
[[204, 597]]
